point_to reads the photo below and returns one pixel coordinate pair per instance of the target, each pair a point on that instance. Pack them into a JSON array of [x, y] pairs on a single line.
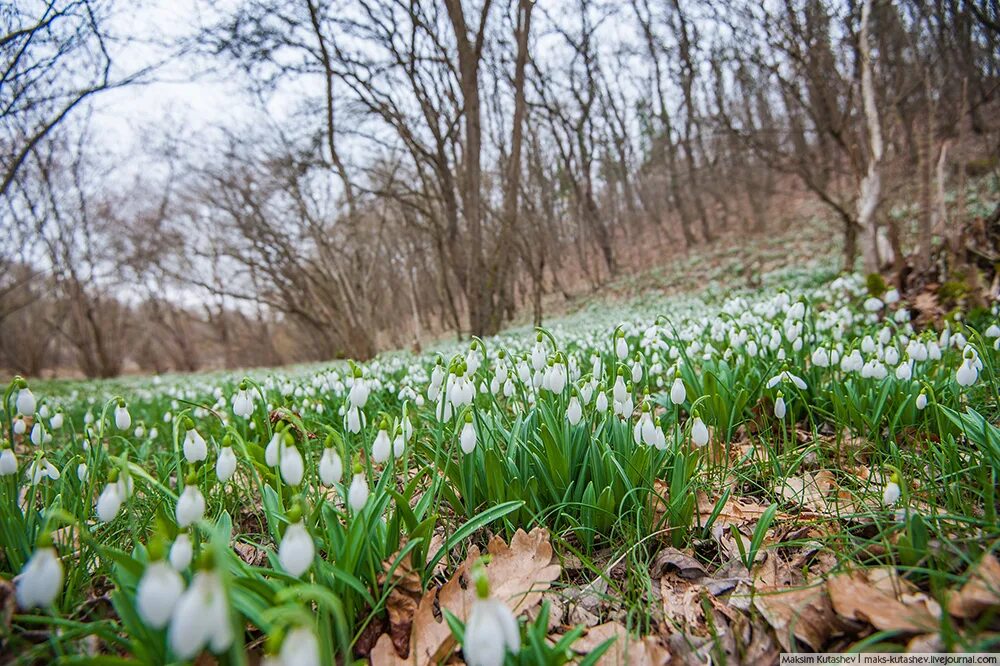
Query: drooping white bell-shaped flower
[[37, 434], [331, 468], [357, 494], [892, 491], [109, 502], [40, 580], [779, 407], [297, 550], [273, 449], [491, 630], [123, 420], [467, 438], [602, 402], [292, 466], [225, 466], [181, 552], [619, 391], [81, 472], [190, 506], [678, 393], [922, 400], [25, 402], [42, 469], [967, 373], [20, 426], [574, 412], [195, 447], [699, 432], [382, 446], [201, 618], [354, 420], [621, 348], [300, 648], [8, 462], [157, 594]]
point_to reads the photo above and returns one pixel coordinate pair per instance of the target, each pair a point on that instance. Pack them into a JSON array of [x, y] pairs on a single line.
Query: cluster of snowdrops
[[335, 477]]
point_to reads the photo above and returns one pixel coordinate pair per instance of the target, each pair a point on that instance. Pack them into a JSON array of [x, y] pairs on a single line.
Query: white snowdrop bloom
[[8, 462], [157, 594], [993, 331], [891, 356], [557, 378], [820, 357], [648, 429], [874, 304], [636, 372], [181, 552], [381, 447], [81, 472], [508, 388], [621, 348], [331, 468], [139, 432], [902, 316], [243, 404], [891, 493], [538, 356], [358, 395], [699, 432], [785, 376], [398, 446], [467, 439], [153, 432], [42, 469], [195, 447], [357, 494], [602, 402], [123, 420], [25, 401], [884, 336], [40, 580], [297, 550], [619, 391], [472, 360], [904, 371], [190, 506], [354, 419], [779, 407], [300, 648], [88, 418], [291, 465], [273, 449], [797, 310], [661, 439], [574, 412], [20, 426], [109, 503], [892, 296], [501, 372], [967, 373], [201, 618], [56, 422], [678, 393], [933, 351], [587, 392], [868, 345], [37, 434], [490, 633], [921, 401], [225, 466]]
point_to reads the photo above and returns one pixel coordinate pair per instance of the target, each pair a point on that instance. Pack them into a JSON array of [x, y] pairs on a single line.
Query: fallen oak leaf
[[865, 596], [809, 491], [980, 592], [804, 614], [624, 650]]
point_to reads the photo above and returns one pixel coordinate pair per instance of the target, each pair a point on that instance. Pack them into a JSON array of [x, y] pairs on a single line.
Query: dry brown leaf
[[518, 575], [882, 600], [626, 650], [980, 592], [672, 559], [809, 491], [735, 511], [402, 603], [682, 604], [805, 614]]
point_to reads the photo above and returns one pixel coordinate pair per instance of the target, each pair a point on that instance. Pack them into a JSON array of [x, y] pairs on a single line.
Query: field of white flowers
[[717, 478]]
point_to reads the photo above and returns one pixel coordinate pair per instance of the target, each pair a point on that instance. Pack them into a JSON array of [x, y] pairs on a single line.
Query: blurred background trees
[[411, 169]]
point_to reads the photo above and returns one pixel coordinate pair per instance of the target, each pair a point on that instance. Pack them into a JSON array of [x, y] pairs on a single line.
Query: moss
[[875, 284]]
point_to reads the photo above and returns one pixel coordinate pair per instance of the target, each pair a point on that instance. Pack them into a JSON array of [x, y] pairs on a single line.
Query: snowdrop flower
[[785, 376], [243, 403], [891, 356], [354, 420], [56, 422], [491, 630], [123, 420], [41, 579], [637, 370], [195, 448], [779, 406], [678, 393], [292, 466], [874, 304], [382, 446], [921, 401], [190, 505], [297, 550], [993, 331], [619, 391], [40, 469], [273, 449], [225, 466], [891, 492], [299, 648], [602, 402], [8, 462], [967, 372], [331, 468], [25, 402], [157, 594], [20, 426], [538, 354], [181, 552], [621, 347], [473, 359], [201, 617], [37, 434], [360, 390], [81, 472], [574, 412], [357, 494], [892, 296], [467, 439], [699, 432], [109, 502], [820, 357]]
